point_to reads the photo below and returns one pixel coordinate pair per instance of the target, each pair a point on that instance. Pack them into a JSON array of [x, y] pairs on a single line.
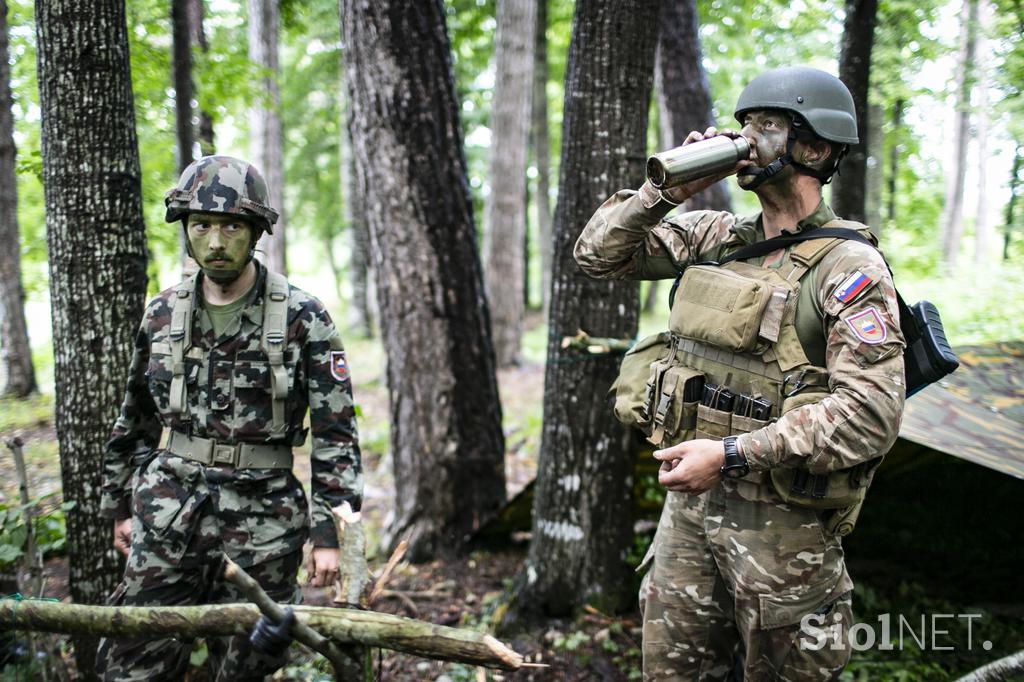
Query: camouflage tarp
[[976, 413]]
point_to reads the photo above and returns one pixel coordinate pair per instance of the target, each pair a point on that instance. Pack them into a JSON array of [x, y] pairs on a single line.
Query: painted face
[[220, 244], [768, 133]]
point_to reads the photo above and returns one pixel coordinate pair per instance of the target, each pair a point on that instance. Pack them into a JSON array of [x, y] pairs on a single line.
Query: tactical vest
[[273, 341], [731, 363]]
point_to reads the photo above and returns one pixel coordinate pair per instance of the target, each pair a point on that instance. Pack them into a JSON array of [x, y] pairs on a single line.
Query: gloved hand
[[273, 638]]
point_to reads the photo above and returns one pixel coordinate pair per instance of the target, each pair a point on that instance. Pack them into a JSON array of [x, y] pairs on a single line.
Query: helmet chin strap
[[776, 166]]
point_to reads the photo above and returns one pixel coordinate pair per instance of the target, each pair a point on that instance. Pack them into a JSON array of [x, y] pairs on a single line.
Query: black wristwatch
[[735, 463]]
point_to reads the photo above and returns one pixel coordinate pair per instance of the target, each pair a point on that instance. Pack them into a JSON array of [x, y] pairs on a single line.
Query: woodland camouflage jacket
[[229, 399]]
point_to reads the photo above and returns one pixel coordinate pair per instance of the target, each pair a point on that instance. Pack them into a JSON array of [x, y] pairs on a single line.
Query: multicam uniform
[[733, 570], [224, 481]]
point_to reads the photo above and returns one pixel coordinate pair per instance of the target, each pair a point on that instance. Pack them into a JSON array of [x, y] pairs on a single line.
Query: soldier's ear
[[816, 151]]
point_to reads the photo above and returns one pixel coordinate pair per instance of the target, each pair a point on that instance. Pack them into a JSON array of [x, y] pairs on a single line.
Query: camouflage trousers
[[732, 574], [184, 517]]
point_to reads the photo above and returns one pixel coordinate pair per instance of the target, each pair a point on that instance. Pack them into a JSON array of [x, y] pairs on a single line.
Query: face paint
[[221, 245], [768, 132]]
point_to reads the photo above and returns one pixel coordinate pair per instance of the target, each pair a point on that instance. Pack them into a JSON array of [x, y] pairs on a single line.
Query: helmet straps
[[786, 159]]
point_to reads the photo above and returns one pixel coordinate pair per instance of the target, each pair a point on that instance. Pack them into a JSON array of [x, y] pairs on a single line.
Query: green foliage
[[25, 413], [48, 527]]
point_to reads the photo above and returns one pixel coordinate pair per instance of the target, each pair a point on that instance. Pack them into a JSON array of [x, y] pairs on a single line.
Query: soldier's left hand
[[691, 467], [323, 566]]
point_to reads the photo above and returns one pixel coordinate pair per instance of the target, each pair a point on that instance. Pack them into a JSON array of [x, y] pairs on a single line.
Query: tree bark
[[446, 440], [181, 48], [581, 514], [849, 187], [684, 94], [197, 36], [953, 208], [360, 312], [266, 141], [505, 210], [97, 254], [16, 371], [541, 142], [218, 620]]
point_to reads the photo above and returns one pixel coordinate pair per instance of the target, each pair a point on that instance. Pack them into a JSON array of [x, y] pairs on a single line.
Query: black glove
[[273, 638]]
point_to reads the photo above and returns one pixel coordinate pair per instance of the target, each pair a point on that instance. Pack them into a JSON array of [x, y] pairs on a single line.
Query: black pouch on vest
[[928, 356]]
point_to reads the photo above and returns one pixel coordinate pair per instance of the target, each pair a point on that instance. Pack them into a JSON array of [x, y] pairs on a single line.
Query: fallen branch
[[596, 345], [354, 575], [217, 620], [389, 568]]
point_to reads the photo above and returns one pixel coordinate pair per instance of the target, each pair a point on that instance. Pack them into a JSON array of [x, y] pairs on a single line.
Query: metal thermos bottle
[[696, 160]]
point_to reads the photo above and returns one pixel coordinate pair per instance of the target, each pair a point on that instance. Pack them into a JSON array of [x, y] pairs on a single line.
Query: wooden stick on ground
[[389, 568], [271, 609]]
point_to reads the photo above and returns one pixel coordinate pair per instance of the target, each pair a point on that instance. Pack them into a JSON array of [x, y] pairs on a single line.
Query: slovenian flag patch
[[854, 284]]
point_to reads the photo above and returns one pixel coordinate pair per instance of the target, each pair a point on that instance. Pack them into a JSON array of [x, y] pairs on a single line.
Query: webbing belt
[[211, 452]]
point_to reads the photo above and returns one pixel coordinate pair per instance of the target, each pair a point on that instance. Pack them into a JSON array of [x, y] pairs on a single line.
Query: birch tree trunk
[[581, 513], [849, 186], [953, 208], [17, 376], [447, 444], [266, 142], [97, 253], [684, 95], [505, 210], [541, 143]]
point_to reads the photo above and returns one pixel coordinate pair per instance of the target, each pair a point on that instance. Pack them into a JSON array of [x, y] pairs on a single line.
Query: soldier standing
[[228, 361], [779, 389]]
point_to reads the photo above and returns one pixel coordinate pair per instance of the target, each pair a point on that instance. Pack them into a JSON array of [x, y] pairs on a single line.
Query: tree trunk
[[1011, 205], [266, 143], [183, 90], [17, 376], [505, 212], [446, 439], [181, 67], [581, 513], [359, 255], [873, 184], [953, 208], [97, 253], [541, 142], [684, 95], [982, 226], [197, 35], [894, 157], [849, 189]]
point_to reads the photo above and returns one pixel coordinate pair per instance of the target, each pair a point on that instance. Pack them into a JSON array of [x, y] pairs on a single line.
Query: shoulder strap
[[181, 341], [273, 342]]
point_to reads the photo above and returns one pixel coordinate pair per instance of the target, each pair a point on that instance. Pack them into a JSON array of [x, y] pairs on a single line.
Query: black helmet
[[819, 98]]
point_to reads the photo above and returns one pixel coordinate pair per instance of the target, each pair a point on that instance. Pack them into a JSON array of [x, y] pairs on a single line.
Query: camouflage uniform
[[184, 513], [733, 570]]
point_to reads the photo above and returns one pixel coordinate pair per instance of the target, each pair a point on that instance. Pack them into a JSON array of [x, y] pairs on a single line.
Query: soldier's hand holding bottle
[[691, 168]]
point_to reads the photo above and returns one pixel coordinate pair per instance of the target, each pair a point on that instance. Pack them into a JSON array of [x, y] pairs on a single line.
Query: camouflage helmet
[[221, 184], [819, 98]]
